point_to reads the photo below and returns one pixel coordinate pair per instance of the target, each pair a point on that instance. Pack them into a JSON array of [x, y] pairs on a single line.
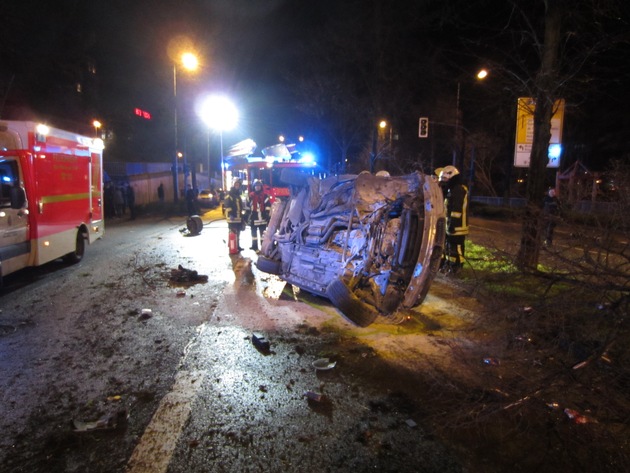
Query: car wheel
[[434, 266], [194, 224], [349, 305], [270, 266]]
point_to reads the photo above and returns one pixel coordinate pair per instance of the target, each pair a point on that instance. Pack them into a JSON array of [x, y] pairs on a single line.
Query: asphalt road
[[110, 366]]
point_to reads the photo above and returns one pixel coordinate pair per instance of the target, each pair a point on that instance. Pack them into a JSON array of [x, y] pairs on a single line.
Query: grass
[[562, 347]]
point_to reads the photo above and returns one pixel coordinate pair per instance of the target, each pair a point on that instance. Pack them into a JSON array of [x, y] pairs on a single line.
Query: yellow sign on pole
[[525, 132]]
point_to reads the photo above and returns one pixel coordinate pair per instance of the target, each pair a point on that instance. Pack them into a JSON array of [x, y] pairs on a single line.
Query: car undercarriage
[[369, 243]]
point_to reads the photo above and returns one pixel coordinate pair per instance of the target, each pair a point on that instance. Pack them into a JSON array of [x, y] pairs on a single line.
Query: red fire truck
[[269, 168], [51, 185], [268, 171]]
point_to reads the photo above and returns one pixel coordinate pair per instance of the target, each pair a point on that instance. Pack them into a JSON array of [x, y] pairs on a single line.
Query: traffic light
[[423, 131]]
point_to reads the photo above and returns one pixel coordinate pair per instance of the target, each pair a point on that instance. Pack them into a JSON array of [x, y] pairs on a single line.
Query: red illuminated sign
[[142, 113]]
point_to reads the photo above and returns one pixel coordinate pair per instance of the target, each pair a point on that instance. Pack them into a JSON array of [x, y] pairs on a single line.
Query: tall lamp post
[[208, 157], [482, 74], [189, 62], [219, 114], [375, 132], [96, 124]]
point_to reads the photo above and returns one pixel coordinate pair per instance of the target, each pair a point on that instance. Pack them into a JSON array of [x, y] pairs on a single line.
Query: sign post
[[525, 132]]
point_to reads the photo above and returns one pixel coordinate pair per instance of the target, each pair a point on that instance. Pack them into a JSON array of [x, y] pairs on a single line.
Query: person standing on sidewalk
[[160, 193], [260, 208], [551, 214], [456, 204], [119, 201], [233, 208], [131, 200], [191, 201]]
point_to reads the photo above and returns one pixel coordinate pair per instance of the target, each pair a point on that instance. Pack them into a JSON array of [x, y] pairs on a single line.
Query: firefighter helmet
[[446, 173], [237, 180], [257, 182]]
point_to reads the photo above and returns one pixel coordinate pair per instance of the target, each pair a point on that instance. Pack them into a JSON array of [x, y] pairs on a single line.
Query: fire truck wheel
[[77, 254]]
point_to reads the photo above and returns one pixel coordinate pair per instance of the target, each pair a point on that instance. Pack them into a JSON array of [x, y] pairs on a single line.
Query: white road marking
[[157, 445]]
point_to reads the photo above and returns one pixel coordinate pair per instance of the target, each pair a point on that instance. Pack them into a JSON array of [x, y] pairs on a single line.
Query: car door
[[14, 243]]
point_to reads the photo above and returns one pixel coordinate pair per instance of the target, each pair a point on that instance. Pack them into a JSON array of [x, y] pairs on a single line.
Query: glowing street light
[[481, 75], [219, 114], [189, 62], [375, 135], [96, 124]]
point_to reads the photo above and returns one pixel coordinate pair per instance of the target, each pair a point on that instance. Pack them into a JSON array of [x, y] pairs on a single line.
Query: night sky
[[400, 59], [246, 49]]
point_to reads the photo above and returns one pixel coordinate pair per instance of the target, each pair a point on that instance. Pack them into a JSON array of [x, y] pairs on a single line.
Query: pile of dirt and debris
[[182, 275]]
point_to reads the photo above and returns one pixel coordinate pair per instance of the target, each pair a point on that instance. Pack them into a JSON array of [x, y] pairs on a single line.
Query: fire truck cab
[[269, 168], [51, 186]]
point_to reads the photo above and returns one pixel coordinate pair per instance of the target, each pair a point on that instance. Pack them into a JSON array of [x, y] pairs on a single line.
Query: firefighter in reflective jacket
[[233, 209], [260, 209], [456, 204]]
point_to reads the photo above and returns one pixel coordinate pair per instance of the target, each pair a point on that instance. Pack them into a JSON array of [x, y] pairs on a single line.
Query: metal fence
[[582, 206]]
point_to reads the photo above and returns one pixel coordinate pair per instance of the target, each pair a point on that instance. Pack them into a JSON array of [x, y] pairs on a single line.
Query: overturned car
[[370, 243]]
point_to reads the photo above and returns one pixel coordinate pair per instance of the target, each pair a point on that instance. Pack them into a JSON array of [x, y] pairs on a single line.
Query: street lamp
[[96, 124], [382, 125], [375, 132], [481, 75], [189, 62], [219, 114]]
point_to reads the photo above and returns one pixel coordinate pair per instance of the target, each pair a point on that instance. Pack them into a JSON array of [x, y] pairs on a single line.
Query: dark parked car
[[207, 199], [370, 243]]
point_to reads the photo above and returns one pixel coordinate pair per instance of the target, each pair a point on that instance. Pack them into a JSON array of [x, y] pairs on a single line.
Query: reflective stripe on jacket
[[456, 202], [233, 208], [260, 206]]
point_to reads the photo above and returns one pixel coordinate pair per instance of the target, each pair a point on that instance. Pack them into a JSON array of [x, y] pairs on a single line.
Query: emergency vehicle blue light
[[308, 158], [6, 179]]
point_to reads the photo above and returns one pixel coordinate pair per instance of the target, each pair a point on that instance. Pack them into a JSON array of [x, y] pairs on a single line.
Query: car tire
[[270, 266], [349, 305], [434, 266], [194, 224]]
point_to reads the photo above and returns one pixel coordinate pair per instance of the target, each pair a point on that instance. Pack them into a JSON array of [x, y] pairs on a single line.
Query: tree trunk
[[545, 84]]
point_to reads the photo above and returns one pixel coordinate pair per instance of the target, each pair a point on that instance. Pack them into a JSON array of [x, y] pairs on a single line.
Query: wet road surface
[[173, 370]]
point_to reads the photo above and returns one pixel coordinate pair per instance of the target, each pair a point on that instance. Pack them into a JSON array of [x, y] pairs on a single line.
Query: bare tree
[[482, 154], [361, 69], [544, 50], [546, 84]]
